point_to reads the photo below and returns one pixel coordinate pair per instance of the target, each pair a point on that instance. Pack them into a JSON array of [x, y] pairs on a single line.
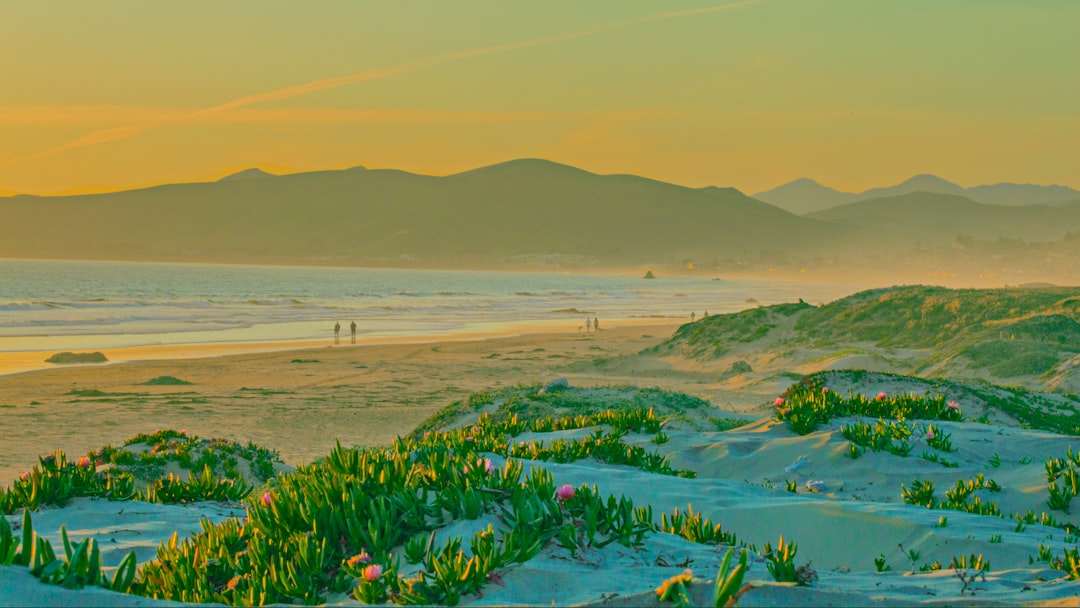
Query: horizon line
[[92, 189]]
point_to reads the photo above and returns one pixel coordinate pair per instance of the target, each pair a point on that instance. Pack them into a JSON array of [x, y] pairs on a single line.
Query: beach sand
[[740, 484], [296, 400], [300, 401]]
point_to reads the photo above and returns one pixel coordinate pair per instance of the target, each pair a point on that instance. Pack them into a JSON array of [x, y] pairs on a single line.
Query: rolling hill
[[1024, 336], [805, 196], [516, 212], [940, 218], [533, 213]]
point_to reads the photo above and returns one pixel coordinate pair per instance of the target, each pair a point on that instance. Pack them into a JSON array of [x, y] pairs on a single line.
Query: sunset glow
[[744, 94]]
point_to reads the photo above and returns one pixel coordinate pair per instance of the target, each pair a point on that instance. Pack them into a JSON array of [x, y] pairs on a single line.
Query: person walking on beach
[[691, 316], [596, 324], [352, 327], [588, 324], [337, 332]]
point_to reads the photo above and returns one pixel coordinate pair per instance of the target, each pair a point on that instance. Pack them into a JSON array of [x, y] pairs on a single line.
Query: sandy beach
[[759, 481], [297, 398]]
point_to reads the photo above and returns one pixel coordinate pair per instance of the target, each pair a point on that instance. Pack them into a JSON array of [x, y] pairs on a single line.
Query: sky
[[116, 94]]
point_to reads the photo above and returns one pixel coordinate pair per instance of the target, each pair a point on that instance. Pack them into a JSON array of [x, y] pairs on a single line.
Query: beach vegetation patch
[[205, 486], [140, 470], [726, 424], [532, 402], [1063, 480], [891, 436], [336, 525], [165, 381], [264, 391], [921, 494], [1013, 333], [675, 589], [880, 563], [67, 357], [55, 481], [729, 580], [1055, 412], [712, 336], [695, 528], [77, 567], [781, 563], [807, 405]]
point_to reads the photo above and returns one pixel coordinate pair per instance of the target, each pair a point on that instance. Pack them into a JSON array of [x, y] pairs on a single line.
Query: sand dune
[[741, 475]]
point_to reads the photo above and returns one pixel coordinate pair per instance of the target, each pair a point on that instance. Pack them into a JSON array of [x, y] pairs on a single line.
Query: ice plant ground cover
[[447, 514], [311, 532], [148, 467]]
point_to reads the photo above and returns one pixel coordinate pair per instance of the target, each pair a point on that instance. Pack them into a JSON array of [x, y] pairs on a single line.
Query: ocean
[[67, 305]]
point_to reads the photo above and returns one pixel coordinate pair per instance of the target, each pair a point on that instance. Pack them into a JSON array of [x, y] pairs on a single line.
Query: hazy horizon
[[281, 171], [750, 94]]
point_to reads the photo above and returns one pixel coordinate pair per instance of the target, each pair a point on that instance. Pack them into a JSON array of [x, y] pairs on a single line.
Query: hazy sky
[[854, 93]]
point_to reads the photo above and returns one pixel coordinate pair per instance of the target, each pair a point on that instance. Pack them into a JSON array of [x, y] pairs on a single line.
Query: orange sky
[[751, 94]]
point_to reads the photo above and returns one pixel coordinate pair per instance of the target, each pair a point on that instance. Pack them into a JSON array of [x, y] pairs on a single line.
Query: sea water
[[58, 305]]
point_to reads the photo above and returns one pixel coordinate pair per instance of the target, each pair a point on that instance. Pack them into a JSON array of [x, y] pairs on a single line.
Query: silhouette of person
[[596, 324], [337, 332], [588, 324], [706, 315], [691, 316], [352, 326]]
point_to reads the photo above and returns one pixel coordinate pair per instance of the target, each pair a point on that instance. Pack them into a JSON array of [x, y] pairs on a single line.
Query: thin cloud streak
[[119, 133], [140, 116]]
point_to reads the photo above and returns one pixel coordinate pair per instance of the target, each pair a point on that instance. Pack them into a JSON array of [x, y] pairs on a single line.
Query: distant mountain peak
[[928, 180], [805, 181], [803, 195], [530, 165], [253, 173]]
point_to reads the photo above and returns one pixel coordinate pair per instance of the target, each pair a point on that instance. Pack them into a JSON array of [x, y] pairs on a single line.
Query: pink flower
[[25, 476], [488, 465], [785, 411], [372, 572], [359, 558], [881, 396], [469, 439], [565, 492], [929, 434], [953, 405], [84, 462], [183, 432], [779, 401], [267, 498], [824, 389]]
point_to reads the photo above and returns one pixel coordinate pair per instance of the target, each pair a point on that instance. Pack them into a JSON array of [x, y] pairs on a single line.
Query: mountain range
[[521, 213], [804, 196]]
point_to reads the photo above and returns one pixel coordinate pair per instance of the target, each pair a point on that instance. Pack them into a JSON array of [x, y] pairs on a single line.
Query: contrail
[[118, 133]]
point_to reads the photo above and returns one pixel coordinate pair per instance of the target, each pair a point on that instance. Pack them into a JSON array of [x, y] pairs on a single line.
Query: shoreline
[[30, 361]]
